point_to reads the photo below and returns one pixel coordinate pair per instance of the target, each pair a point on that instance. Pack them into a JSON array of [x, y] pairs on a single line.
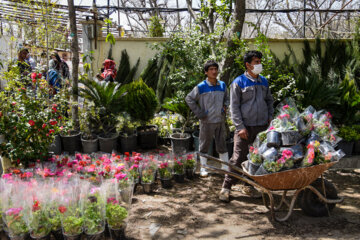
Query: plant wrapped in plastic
[[165, 170], [313, 155], [287, 159], [178, 166], [13, 206], [94, 210], [70, 209], [190, 162], [272, 166]]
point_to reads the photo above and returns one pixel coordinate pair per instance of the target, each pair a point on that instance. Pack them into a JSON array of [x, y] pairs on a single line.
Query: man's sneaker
[[203, 172], [224, 195], [250, 191]]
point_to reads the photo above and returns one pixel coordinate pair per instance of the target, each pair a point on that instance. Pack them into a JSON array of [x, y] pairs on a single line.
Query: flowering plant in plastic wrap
[[254, 155], [286, 159], [94, 210], [165, 170], [39, 219], [313, 155], [190, 161], [178, 166], [115, 212], [272, 166], [147, 173], [282, 123]]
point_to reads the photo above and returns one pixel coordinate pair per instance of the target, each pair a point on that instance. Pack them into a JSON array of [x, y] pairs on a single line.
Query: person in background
[[251, 109], [31, 61], [209, 100], [109, 72], [63, 68], [53, 77]]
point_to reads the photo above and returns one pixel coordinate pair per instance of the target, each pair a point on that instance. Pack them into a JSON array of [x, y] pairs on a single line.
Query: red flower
[[53, 122], [54, 109], [0, 114], [62, 209], [36, 206], [44, 125], [31, 122], [13, 103], [51, 131]]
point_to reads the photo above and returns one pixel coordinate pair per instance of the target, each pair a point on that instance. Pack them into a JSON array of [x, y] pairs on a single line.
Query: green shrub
[[140, 101], [348, 133]]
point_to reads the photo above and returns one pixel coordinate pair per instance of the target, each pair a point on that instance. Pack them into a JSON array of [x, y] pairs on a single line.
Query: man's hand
[[243, 133]]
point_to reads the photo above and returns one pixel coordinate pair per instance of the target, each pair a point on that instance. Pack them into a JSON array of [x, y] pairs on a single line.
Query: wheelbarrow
[[317, 196]]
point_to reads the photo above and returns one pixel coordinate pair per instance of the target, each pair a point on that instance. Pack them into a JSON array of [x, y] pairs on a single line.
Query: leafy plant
[[72, 225], [155, 28], [178, 166], [190, 162], [165, 171], [108, 99], [348, 133], [39, 220], [125, 73], [140, 101], [115, 214], [179, 106], [94, 214], [14, 220], [147, 175]]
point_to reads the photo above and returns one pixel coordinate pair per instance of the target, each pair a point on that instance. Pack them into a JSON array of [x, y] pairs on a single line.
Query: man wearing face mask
[[251, 109]]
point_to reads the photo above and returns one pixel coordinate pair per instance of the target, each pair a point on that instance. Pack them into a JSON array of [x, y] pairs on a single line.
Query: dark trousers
[[241, 150]]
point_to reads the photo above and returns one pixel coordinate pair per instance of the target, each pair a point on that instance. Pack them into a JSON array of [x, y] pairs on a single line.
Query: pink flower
[[101, 173], [161, 154], [287, 153], [251, 149], [7, 176], [328, 115], [120, 168], [285, 115], [13, 211], [78, 157], [271, 128], [190, 156], [285, 107], [94, 190], [281, 160], [164, 165], [120, 176], [112, 200]]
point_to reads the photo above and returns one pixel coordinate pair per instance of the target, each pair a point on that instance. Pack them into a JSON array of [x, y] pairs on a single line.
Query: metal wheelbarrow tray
[[303, 182]]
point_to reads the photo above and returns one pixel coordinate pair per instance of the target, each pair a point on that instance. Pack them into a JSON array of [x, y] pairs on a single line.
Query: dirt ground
[[192, 211]]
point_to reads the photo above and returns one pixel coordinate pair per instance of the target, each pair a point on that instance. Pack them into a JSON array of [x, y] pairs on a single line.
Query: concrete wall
[[139, 47]]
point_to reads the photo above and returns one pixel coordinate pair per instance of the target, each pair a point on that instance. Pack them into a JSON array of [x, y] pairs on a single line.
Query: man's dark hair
[[210, 63], [24, 50], [250, 54]]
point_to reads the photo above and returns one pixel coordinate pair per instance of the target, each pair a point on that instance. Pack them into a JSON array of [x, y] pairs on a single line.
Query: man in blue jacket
[[251, 109], [208, 100]]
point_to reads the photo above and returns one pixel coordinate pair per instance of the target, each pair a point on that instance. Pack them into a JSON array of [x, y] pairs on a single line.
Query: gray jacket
[[251, 103], [207, 101]]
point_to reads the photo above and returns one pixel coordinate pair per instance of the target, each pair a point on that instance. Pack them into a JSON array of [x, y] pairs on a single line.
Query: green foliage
[[110, 38], [348, 133], [115, 215], [147, 175], [165, 123], [16, 224], [94, 215], [28, 118], [108, 99], [179, 106], [155, 28], [39, 223], [72, 225], [54, 218], [125, 73], [140, 101], [178, 166]]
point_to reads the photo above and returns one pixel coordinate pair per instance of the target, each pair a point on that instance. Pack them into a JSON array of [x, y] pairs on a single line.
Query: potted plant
[[71, 215], [115, 216], [313, 155], [94, 214], [38, 221], [128, 135], [55, 221], [179, 170], [15, 222], [89, 140], [147, 177], [108, 100], [190, 166], [29, 124], [165, 175], [141, 103], [180, 142], [287, 159], [254, 160], [349, 135]]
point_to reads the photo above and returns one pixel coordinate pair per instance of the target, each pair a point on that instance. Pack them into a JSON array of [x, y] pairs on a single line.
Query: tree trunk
[[75, 64], [236, 30]]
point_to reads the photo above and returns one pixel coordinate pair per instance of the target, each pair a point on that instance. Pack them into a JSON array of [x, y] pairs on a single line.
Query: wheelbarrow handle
[[240, 170]]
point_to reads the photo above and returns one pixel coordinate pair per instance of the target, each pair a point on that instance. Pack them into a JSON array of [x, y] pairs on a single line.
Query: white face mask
[[257, 69]]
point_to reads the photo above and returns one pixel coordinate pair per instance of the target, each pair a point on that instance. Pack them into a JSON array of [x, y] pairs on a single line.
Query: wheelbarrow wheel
[[311, 204]]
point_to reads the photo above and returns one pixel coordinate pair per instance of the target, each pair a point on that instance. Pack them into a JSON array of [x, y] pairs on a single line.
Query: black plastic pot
[[270, 154], [346, 147], [56, 146], [47, 237], [91, 145], [147, 136], [166, 183], [290, 138], [97, 236], [261, 170], [356, 149], [74, 237], [273, 139], [117, 234], [128, 143], [147, 187], [253, 167], [312, 137], [20, 237], [180, 142], [58, 235], [71, 143], [108, 143], [179, 178], [190, 173]]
